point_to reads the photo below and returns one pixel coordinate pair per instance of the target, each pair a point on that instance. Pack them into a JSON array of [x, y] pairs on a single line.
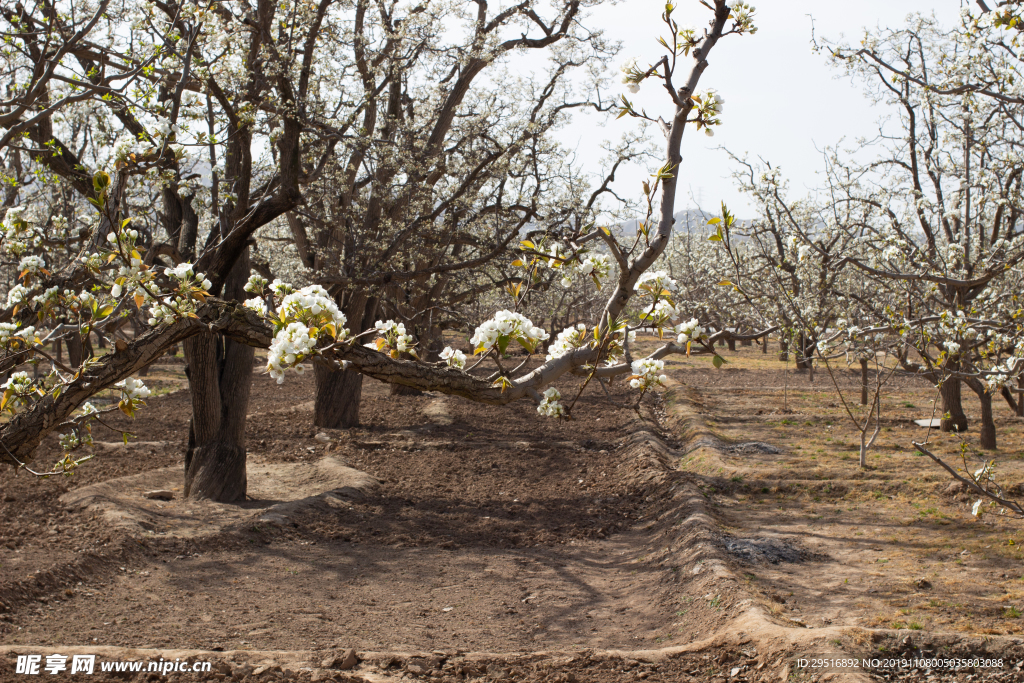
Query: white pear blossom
[[656, 281], [568, 340], [18, 294], [647, 373], [256, 304], [19, 383], [290, 346], [549, 405], [392, 337], [256, 284], [31, 264], [688, 331], [454, 358], [133, 389], [504, 328]]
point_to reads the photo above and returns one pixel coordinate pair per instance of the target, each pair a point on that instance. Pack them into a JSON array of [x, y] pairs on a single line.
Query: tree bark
[[783, 350], [951, 404], [805, 348], [76, 350], [220, 378], [863, 381], [988, 426], [732, 344], [764, 346], [338, 392]]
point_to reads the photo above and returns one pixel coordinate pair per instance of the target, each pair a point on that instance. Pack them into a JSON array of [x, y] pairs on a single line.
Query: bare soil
[[716, 535]]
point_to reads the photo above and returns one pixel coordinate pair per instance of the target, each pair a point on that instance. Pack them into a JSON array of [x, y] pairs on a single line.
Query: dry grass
[[886, 525]]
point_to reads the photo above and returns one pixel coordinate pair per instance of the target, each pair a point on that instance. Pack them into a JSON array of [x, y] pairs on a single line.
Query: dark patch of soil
[[762, 550]]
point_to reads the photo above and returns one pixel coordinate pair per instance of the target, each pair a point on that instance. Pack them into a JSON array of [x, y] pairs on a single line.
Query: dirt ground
[[898, 545], [446, 540]]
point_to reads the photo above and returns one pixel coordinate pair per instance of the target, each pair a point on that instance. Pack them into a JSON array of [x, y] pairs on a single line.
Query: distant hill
[[690, 220]]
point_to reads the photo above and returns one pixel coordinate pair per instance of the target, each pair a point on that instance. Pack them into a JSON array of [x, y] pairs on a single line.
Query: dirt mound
[[276, 491]]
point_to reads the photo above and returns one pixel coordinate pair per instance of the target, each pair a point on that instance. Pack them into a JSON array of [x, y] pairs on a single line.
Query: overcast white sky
[[783, 102]]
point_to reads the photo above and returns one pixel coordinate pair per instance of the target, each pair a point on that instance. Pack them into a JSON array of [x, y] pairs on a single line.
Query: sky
[[783, 102]]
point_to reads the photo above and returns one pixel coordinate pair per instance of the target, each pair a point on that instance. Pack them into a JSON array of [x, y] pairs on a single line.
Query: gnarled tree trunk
[[987, 436], [220, 379], [338, 392], [952, 405]]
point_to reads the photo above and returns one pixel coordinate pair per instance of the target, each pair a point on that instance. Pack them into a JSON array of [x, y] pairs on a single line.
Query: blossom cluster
[[454, 358], [392, 339], [256, 284], [190, 289], [549, 405], [32, 264], [133, 389], [689, 331], [19, 383], [256, 304], [290, 347], [16, 390], [647, 373], [303, 316], [15, 338], [18, 234], [661, 314], [632, 76], [656, 282], [506, 327], [568, 340], [311, 304], [709, 107], [596, 266]]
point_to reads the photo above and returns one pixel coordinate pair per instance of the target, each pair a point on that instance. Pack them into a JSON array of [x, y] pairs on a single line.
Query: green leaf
[[718, 361], [100, 181], [715, 221], [724, 283]]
